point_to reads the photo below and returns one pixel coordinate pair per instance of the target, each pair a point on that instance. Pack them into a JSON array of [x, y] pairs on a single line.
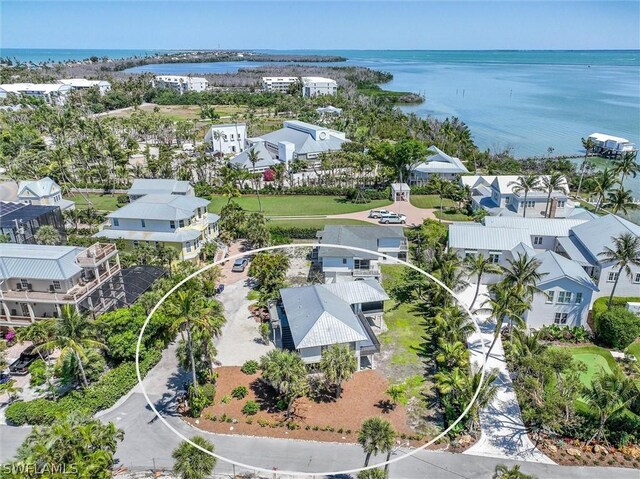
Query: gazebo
[[400, 192]]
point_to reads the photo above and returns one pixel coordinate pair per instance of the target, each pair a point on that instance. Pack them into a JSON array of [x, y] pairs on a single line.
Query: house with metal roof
[[84, 84], [298, 140], [179, 222], [264, 163], [342, 264], [19, 222], [499, 196], [226, 139], [611, 146], [44, 191], [437, 163], [309, 319], [159, 186], [37, 280]]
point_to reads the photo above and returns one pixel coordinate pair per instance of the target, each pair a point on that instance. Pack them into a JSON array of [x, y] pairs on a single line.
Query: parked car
[[392, 218], [4, 377], [378, 213], [20, 367], [239, 265]]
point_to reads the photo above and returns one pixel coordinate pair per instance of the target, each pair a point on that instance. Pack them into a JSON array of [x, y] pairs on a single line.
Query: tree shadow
[[385, 405]]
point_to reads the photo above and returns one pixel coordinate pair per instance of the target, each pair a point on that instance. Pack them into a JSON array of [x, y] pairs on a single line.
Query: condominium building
[[84, 84], [318, 86], [228, 138], [180, 84], [278, 84], [176, 221], [51, 93], [37, 280]]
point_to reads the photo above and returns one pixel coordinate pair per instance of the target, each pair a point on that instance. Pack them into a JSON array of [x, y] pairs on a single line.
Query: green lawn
[[430, 201], [100, 202], [452, 215], [299, 205], [313, 223], [596, 359]]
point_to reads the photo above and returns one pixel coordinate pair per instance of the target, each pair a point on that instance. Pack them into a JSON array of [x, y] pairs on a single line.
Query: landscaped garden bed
[[571, 452], [320, 419]]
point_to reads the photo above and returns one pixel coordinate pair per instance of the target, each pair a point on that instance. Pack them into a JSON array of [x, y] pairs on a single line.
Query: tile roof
[[38, 261]]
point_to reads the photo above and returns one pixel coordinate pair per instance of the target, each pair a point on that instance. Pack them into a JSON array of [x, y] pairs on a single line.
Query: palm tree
[[450, 382], [74, 334], [376, 435], [452, 324], [286, 373], [608, 395], [478, 265], [626, 252], [188, 307], [588, 144], [620, 199], [504, 304], [626, 166], [338, 364], [525, 183], [604, 181], [504, 472], [452, 355], [395, 393], [254, 158], [521, 274], [192, 463], [487, 393], [47, 235], [551, 183]]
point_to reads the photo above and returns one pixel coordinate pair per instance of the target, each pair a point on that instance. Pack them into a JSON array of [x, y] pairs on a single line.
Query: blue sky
[[318, 24]]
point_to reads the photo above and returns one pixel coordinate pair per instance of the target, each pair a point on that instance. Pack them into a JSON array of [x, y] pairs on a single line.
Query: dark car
[[239, 265], [20, 366]]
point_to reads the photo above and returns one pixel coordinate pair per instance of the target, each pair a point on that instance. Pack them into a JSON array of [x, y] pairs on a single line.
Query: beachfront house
[[318, 86], [51, 93], [37, 280], [19, 222], [611, 146], [437, 163], [278, 84], [340, 265], [309, 319], [226, 139], [44, 191], [176, 221], [180, 84], [499, 196], [83, 84], [159, 186]]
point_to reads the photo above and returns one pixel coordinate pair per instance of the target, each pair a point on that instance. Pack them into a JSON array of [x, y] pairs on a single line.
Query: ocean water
[[59, 54]]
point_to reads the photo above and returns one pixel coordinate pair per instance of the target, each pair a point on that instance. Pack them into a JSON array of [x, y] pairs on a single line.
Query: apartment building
[[318, 86], [84, 84], [37, 280], [51, 93], [278, 84], [180, 84]]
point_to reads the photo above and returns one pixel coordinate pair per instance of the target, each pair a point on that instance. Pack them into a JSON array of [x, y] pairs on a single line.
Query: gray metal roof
[[358, 292], [475, 236], [317, 317], [440, 162], [212, 218], [179, 236], [365, 237], [536, 226], [303, 141], [155, 186], [576, 251], [597, 234], [40, 188], [38, 261], [522, 249], [265, 158], [554, 267], [160, 207]]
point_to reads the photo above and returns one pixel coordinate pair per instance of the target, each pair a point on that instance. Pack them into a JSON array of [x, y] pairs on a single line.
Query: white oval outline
[[313, 245]]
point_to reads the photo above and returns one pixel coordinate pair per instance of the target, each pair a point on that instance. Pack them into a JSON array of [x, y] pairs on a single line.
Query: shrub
[[618, 327], [239, 392], [600, 305], [292, 426], [250, 367], [38, 371], [100, 395], [293, 232], [209, 391], [226, 399], [263, 422], [250, 408], [198, 399]]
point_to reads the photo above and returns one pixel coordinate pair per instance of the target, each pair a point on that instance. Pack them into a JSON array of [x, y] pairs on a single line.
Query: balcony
[[96, 254], [362, 273]]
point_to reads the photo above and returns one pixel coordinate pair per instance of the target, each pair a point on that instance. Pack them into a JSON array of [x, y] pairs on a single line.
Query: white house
[[309, 319], [228, 138], [340, 264], [176, 221], [264, 163], [83, 84], [318, 86], [52, 93], [180, 84], [37, 280], [43, 192], [499, 196], [159, 186], [609, 145], [437, 163], [278, 84], [300, 140]]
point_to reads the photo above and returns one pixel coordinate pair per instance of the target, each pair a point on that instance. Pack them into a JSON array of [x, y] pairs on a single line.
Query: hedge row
[[100, 395], [600, 304], [293, 232], [369, 193]]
